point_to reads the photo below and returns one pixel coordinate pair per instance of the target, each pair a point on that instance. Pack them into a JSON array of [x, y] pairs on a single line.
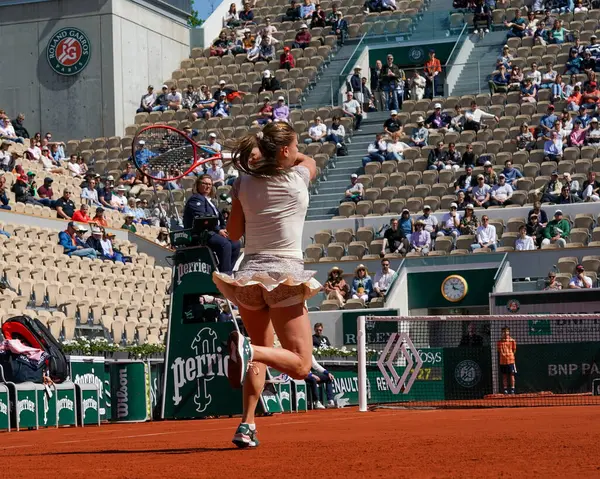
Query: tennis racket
[[164, 153]]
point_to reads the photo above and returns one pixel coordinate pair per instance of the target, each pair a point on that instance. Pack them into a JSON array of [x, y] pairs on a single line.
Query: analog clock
[[454, 288]]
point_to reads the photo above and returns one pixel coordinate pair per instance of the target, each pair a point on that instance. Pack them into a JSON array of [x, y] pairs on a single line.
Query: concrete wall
[[203, 37], [131, 45]]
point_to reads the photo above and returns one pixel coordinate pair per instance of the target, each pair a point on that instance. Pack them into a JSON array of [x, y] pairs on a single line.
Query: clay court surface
[[524, 442]]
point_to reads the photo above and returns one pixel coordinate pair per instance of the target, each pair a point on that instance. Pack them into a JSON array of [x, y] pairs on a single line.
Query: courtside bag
[[33, 333]]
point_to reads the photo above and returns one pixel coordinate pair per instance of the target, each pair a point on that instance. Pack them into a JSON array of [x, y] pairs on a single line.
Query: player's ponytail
[[256, 154]]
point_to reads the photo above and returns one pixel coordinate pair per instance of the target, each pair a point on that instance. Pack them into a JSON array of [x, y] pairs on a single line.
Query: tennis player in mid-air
[[270, 199]]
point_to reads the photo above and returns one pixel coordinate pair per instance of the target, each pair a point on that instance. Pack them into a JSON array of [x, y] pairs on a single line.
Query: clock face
[[454, 288]]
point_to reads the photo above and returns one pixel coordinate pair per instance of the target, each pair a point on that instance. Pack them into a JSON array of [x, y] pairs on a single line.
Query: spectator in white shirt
[[49, 165], [5, 157], [34, 151], [7, 131], [396, 148], [174, 98], [377, 150], [451, 223], [524, 242], [74, 167], [90, 194], [353, 109], [474, 116], [480, 193], [580, 280], [501, 193], [383, 279], [430, 222], [119, 201], [147, 101], [317, 132], [486, 235], [216, 173]]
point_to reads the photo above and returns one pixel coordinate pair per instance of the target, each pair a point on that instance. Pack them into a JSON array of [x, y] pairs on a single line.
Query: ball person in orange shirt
[[506, 348]]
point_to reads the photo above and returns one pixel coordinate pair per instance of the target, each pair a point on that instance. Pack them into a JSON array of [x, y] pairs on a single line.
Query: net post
[[362, 363]]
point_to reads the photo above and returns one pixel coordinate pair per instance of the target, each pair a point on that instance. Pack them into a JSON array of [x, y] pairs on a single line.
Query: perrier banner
[[195, 381]]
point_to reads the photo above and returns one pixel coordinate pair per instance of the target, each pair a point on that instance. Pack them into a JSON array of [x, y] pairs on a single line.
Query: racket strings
[[168, 150]]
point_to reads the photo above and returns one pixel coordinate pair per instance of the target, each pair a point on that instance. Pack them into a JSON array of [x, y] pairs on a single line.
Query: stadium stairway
[[324, 203], [485, 52]]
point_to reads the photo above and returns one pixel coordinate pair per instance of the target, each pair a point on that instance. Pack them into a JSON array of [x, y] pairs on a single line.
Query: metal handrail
[[352, 55], [456, 44]]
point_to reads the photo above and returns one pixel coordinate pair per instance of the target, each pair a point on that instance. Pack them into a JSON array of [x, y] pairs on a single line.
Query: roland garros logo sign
[[68, 51]]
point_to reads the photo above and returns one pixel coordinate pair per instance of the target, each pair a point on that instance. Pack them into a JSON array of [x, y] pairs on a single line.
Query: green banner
[[130, 387], [26, 409], [285, 396], [46, 408], [157, 371], [65, 404], [92, 370], [467, 372], [88, 404], [4, 408], [562, 368], [378, 332]]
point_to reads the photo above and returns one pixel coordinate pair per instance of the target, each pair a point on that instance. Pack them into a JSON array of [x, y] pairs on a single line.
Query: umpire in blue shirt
[[200, 204]]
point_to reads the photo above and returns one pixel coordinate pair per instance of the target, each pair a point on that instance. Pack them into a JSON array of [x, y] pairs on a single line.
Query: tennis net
[[471, 361]]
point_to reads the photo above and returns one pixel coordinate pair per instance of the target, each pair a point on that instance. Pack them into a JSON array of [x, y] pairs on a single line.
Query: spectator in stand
[[525, 140], [474, 115], [517, 25], [469, 222], [432, 69], [547, 122], [395, 238], [68, 240], [22, 192], [461, 201], [505, 59], [220, 46], [353, 109], [551, 190], [535, 76], [65, 207], [396, 148], [45, 193], [127, 179], [99, 218], [319, 339], [466, 182], [420, 240], [19, 127], [516, 78], [269, 29], [317, 132], [549, 76], [438, 120], [339, 28], [593, 133], [383, 280], [489, 174], [571, 184], [147, 101], [307, 9], [119, 201], [281, 112], [362, 284], [356, 85], [33, 152], [557, 231], [436, 159], [481, 193], [7, 131], [511, 174], [336, 132], [336, 289], [528, 92], [318, 18], [221, 109], [566, 198], [377, 150], [128, 225], [231, 18], [163, 238], [537, 210], [264, 51], [406, 224], [48, 163], [105, 195], [321, 375], [580, 280], [591, 188], [206, 104], [420, 134], [453, 158], [469, 158], [286, 60], [89, 194], [265, 114], [190, 98], [216, 173], [485, 236], [73, 167], [551, 283], [303, 37], [535, 230], [56, 153], [430, 221], [417, 86], [574, 64], [292, 14], [482, 13], [3, 196], [500, 81], [161, 103], [501, 192], [108, 251], [269, 82], [376, 84], [6, 159], [392, 124], [558, 33], [391, 75], [355, 191], [577, 136], [246, 16], [81, 215], [450, 224]]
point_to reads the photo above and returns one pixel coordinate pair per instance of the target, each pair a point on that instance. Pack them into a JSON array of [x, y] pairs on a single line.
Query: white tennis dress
[[272, 271]]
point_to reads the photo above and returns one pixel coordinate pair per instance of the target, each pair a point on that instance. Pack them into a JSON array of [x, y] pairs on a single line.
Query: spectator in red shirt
[[265, 114], [286, 60], [45, 193], [81, 215], [303, 37]]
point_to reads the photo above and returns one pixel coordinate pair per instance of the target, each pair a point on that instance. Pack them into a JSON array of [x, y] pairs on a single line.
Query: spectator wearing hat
[[489, 174], [577, 136], [128, 225], [432, 69], [430, 222], [142, 153], [161, 103], [317, 132], [286, 60], [420, 240], [99, 218], [420, 135], [362, 284], [119, 200], [68, 240], [339, 28], [265, 113], [81, 215], [535, 229], [222, 107], [438, 120], [557, 231], [580, 280], [551, 190], [281, 112], [336, 288], [392, 124], [355, 191], [303, 37], [395, 237], [466, 182], [501, 192], [353, 109], [94, 241], [474, 115], [591, 188], [481, 193], [7, 162], [485, 236], [269, 82], [594, 47], [163, 238], [133, 209], [450, 224], [49, 163], [469, 222], [21, 189], [4, 201]]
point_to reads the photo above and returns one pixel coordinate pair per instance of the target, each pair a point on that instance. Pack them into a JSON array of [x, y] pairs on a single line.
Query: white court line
[[228, 428]]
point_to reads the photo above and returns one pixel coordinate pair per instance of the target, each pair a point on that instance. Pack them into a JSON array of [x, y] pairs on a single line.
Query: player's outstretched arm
[[308, 163]]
